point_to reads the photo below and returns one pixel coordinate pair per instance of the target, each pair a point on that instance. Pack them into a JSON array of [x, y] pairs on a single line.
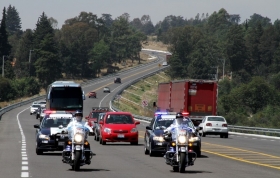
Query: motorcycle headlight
[[160, 139], [45, 137], [182, 139], [78, 138], [193, 139], [107, 130], [134, 130]]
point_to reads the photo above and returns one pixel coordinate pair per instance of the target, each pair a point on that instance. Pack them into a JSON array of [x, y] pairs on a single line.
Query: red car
[[92, 94], [118, 127], [93, 115]]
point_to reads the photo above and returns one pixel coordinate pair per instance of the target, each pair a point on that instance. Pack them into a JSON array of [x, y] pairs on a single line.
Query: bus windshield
[[66, 98]]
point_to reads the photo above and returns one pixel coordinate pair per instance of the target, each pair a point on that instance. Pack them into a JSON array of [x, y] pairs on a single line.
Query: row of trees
[[80, 49], [250, 52]]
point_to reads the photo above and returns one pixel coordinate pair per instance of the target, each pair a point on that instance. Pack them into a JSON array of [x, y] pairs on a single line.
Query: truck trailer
[[196, 97]]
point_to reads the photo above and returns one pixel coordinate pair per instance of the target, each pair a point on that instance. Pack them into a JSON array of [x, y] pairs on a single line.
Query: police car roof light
[[165, 113]]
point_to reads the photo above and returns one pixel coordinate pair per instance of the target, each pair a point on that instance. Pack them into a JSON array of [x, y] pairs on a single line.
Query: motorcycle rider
[[182, 121], [78, 120]]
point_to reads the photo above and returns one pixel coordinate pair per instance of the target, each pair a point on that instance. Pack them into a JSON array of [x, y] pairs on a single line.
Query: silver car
[[214, 125], [106, 90], [97, 126]]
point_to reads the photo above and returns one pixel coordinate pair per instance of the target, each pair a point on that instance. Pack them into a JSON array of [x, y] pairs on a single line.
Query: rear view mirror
[[148, 128], [137, 122], [36, 126]]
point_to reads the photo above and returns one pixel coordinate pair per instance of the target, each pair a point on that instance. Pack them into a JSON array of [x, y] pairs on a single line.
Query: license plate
[[78, 147], [61, 143], [159, 143], [45, 141], [183, 148], [120, 136]]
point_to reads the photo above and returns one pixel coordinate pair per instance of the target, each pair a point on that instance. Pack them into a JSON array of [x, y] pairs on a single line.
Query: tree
[[47, 64], [13, 21], [22, 65], [5, 47]]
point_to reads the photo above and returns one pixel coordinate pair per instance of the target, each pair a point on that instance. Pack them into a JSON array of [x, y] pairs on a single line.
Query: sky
[[61, 10]]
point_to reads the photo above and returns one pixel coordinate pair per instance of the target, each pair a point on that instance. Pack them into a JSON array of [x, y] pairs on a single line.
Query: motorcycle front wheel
[[182, 162], [76, 165]]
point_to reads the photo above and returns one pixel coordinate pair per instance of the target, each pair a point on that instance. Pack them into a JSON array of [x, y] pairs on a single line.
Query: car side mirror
[[36, 126], [101, 122], [95, 121], [137, 122], [148, 128]]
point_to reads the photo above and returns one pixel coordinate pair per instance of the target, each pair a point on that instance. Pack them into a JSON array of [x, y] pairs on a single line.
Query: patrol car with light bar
[[48, 132], [153, 139]]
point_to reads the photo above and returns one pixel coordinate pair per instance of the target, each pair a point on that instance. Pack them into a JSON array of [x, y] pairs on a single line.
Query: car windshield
[[119, 119], [48, 122], [95, 114], [163, 123], [36, 106], [219, 119]]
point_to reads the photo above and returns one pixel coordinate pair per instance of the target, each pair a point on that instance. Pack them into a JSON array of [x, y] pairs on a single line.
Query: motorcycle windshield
[[77, 128]]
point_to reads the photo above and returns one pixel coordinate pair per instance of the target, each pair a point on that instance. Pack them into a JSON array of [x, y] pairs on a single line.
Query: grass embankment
[[146, 89]]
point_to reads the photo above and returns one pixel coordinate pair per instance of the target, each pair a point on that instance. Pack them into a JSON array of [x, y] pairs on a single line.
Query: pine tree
[[13, 21], [47, 63]]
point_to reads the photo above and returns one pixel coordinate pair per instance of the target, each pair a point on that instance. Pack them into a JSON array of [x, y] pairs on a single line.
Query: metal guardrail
[[89, 82]]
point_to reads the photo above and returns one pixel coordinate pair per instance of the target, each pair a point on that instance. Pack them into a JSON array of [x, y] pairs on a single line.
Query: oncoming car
[[48, 133], [34, 108], [118, 127], [214, 125], [153, 139], [92, 94]]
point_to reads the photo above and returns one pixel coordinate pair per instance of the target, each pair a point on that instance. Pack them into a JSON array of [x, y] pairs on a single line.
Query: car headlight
[[45, 137], [134, 130], [182, 139], [160, 139], [107, 130], [78, 138], [193, 139]]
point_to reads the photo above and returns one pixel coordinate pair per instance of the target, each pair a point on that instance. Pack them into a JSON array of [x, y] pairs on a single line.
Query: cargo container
[[198, 98]]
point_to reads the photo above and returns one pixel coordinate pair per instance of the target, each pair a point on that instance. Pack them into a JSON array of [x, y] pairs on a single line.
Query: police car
[[153, 140], [48, 133]]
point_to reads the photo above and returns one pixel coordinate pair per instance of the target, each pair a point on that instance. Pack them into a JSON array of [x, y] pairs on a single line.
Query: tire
[[134, 143], [77, 161], [30, 113], [203, 134], [175, 168], [97, 137], [103, 142], [226, 135], [151, 153], [198, 152], [39, 152], [146, 151], [182, 162], [221, 136], [100, 140]]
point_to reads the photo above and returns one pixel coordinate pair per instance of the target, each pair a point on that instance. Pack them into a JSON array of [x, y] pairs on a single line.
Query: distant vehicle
[[42, 114], [214, 125], [92, 94], [48, 133], [34, 108], [117, 80], [168, 56], [65, 95], [118, 127], [93, 115], [106, 90], [42, 103], [38, 112], [164, 64], [97, 126]]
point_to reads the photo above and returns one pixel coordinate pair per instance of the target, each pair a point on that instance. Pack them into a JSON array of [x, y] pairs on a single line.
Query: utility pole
[[3, 74]]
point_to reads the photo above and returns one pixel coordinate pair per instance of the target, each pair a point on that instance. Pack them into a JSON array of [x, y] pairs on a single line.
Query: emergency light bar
[[165, 113]]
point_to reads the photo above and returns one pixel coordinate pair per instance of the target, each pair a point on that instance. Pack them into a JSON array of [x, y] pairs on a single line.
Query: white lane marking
[[24, 174], [23, 149]]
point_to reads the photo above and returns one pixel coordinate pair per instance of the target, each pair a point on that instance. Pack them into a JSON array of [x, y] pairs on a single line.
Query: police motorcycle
[[178, 156], [77, 149]]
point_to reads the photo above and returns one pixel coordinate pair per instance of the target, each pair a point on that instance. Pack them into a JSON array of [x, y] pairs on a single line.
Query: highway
[[239, 156]]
